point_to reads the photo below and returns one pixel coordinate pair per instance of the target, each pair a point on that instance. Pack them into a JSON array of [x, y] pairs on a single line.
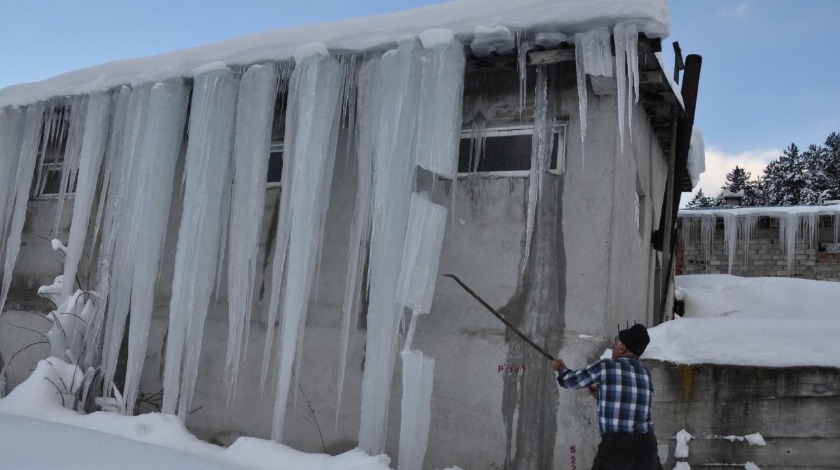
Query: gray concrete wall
[[794, 409], [764, 256], [593, 269]]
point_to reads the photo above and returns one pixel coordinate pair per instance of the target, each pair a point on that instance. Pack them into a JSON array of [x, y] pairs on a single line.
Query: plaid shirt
[[625, 393]]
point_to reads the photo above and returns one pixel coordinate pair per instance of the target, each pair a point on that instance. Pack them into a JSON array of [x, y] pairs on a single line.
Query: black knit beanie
[[635, 338]]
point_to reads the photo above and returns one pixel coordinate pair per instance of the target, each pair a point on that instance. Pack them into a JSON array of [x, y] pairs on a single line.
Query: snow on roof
[[774, 212], [361, 34], [696, 154], [751, 321]]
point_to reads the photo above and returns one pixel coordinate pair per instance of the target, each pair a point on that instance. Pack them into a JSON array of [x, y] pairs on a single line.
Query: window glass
[[275, 164], [507, 150]]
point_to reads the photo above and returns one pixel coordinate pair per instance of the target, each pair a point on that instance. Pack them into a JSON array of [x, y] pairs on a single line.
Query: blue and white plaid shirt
[[625, 393]]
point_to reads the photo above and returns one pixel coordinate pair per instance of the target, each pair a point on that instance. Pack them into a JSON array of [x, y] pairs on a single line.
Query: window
[[275, 165], [507, 150], [48, 173]]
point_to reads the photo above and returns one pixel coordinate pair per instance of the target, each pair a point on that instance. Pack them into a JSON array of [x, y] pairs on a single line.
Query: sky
[[769, 75]]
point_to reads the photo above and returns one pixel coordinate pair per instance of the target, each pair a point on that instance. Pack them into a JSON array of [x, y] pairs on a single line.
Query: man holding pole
[[624, 391]]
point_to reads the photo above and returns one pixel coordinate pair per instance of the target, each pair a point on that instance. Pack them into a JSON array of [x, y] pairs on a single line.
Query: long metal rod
[[500, 317]]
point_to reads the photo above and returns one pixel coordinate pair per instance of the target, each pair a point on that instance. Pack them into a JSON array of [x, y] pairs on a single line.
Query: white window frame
[[506, 129]]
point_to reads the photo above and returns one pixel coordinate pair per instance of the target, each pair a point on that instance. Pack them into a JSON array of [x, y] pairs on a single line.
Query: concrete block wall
[[794, 409], [764, 256]]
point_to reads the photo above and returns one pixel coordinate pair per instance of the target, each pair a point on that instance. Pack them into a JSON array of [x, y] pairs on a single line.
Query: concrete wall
[[794, 409], [591, 268], [764, 256]]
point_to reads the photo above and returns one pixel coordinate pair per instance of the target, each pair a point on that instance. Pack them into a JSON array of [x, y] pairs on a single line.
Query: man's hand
[[593, 390], [558, 365]]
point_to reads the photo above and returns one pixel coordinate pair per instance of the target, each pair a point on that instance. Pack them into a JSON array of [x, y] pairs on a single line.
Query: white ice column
[[11, 134], [311, 137], [254, 119], [442, 89], [357, 253], [158, 157], [417, 380], [97, 122], [593, 56], [206, 170], [421, 254], [626, 37], [394, 162], [18, 196]]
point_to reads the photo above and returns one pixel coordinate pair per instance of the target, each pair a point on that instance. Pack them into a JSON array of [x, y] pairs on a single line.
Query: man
[[624, 391]]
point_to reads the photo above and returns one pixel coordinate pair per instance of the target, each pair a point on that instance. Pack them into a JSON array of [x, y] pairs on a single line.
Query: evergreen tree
[[784, 178], [736, 180], [700, 201]]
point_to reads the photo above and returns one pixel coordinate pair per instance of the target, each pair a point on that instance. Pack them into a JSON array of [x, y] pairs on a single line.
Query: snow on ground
[[770, 322], [360, 34], [37, 432]]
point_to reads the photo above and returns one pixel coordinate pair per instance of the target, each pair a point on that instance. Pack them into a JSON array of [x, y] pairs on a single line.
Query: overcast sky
[[770, 68]]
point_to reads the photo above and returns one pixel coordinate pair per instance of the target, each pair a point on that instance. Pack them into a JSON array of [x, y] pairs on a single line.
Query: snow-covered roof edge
[[361, 34], [762, 211]]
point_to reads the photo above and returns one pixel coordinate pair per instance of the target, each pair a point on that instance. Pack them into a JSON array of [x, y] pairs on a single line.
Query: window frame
[[516, 129]]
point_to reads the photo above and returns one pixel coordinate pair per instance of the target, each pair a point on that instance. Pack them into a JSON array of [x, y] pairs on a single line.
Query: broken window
[[506, 150]]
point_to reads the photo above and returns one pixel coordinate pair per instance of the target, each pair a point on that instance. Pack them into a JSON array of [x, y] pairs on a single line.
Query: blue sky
[[770, 67]]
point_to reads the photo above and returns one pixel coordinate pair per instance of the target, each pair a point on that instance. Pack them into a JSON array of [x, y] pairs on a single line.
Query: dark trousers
[[625, 451]]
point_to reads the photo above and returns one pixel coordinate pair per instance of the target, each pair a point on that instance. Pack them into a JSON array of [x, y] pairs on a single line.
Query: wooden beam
[[552, 56]]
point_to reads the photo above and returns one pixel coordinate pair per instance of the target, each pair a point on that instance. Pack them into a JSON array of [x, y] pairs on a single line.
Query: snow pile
[[360, 34], [751, 466], [696, 156], [33, 414], [681, 450], [732, 320]]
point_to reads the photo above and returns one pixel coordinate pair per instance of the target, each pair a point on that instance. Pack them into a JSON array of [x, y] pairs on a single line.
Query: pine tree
[[784, 178], [700, 201], [736, 180]]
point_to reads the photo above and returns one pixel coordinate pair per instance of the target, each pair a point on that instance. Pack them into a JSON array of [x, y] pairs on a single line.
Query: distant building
[[796, 241]]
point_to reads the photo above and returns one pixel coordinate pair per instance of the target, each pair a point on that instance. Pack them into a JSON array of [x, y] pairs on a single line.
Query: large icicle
[[19, 191], [593, 56], [439, 116], [106, 220], [417, 379], [206, 167], [158, 155], [11, 132], [254, 118], [394, 163], [730, 234], [72, 152], [788, 231], [121, 236], [541, 145], [97, 121], [311, 140], [421, 254], [627, 72], [357, 253]]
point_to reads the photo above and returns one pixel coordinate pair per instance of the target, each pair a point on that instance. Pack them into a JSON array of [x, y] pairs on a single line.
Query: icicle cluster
[[311, 139], [196, 258], [795, 224]]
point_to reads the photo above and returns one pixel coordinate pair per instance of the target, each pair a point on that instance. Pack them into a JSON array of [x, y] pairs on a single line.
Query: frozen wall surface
[[280, 307]]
